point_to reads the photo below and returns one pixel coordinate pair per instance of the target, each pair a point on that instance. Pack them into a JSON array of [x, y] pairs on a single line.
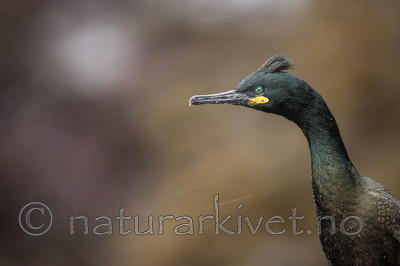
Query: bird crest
[[277, 63]]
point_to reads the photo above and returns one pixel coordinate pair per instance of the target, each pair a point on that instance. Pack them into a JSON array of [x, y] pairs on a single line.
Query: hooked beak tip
[[194, 100], [191, 101]]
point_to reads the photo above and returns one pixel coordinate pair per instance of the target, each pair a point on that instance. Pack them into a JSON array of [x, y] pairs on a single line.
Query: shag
[[369, 212]]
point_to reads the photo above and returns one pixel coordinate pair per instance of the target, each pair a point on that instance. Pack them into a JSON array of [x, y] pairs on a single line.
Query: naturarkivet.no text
[[104, 224]]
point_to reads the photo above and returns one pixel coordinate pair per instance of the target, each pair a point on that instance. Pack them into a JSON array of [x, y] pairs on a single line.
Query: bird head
[[267, 89]]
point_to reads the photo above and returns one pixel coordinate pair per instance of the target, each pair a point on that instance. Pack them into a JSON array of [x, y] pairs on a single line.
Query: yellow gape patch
[[257, 100]]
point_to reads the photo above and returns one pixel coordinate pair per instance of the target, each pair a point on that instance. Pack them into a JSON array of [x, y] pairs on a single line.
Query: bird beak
[[229, 97]]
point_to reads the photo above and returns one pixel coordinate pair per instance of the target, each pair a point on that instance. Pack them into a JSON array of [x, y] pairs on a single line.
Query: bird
[[366, 211]]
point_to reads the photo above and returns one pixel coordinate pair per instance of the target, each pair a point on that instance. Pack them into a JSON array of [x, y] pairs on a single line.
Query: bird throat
[[332, 170]]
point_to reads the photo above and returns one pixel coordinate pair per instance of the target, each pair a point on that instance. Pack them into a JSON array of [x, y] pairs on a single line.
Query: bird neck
[[332, 170]]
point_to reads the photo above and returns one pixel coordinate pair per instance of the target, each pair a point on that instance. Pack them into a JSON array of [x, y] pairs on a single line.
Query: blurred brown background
[[94, 117]]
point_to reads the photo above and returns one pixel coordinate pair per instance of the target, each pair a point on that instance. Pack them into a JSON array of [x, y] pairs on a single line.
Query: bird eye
[[259, 89]]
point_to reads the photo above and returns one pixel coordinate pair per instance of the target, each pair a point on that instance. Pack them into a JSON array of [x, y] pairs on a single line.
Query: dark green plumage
[[339, 190]]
